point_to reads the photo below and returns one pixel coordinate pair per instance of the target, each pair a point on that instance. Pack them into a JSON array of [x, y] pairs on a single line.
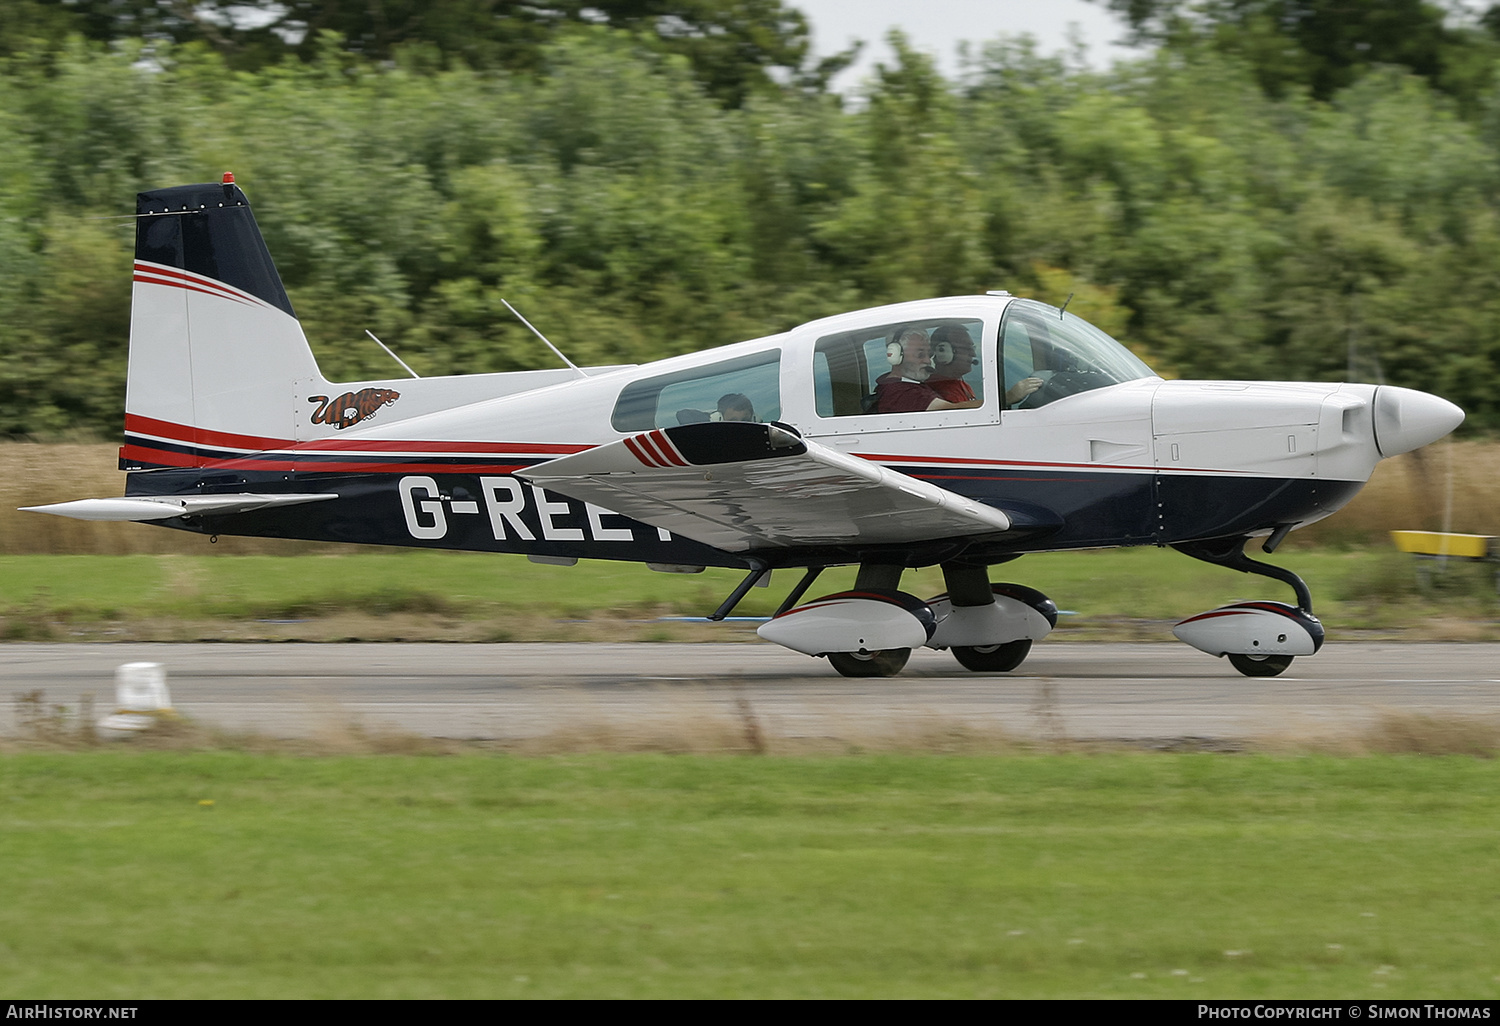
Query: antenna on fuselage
[[539, 335], [393, 355], [1065, 306]]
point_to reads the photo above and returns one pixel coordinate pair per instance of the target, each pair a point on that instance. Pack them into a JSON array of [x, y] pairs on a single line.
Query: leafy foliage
[[1323, 46], [735, 47], [633, 209]]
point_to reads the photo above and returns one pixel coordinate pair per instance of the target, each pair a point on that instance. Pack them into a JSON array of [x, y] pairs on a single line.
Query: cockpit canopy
[[1039, 354]]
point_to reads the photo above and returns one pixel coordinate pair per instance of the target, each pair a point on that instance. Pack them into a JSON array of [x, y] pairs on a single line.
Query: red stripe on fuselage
[[439, 448], [182, 434], [888, 459], [132, 453], [167, 457]]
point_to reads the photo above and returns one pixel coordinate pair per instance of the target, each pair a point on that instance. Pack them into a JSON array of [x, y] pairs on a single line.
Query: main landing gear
[[1260, 638], [1000, 658], [871, 630]]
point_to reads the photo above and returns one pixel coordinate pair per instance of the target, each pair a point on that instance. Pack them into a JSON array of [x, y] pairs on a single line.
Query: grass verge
[[228, 874], [1120, 594]]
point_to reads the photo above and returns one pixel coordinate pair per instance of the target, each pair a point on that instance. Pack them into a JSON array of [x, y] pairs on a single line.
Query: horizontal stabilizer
[[164, 507], [743, 486]]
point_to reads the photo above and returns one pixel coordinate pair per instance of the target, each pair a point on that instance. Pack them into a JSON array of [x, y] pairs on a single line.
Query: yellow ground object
[[1436, 543]]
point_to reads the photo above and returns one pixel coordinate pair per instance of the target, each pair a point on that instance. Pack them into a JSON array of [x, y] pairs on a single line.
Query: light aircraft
[[775, 453]]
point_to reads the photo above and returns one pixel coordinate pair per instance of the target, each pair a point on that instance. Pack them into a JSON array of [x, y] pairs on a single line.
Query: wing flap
[[740, 486], [164, 507]]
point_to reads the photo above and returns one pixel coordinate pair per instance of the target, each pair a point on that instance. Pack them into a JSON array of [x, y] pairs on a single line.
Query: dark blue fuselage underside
[[1049, 508]]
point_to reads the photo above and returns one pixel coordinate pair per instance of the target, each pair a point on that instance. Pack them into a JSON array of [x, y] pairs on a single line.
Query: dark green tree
[[1323, 45], [735, 47]]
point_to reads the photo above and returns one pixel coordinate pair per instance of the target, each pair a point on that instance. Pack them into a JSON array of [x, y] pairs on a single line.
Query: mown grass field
[[1178, 876]]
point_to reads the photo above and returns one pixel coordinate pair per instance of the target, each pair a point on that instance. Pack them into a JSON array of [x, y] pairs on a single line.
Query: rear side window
[[747, 388]]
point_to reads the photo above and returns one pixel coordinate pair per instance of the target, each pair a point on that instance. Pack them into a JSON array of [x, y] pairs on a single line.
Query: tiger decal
[[351, 407]]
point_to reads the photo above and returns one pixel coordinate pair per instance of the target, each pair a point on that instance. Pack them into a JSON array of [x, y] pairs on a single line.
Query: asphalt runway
[[515, 692]]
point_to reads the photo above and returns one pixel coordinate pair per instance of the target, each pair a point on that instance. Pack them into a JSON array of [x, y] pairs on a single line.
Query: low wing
[[741, 486], [164, 507]]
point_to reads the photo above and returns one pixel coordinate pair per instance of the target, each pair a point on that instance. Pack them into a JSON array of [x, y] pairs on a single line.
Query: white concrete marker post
[[141, 700]]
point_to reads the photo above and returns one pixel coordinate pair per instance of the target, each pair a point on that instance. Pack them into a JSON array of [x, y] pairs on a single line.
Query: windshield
[[1047, 355]]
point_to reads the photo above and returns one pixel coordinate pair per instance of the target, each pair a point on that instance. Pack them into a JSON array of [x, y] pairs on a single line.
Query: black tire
[[1260, 666], [885, 663], [993, 658]]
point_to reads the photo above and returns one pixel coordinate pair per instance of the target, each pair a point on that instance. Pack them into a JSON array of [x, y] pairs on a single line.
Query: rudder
[[216, 351]]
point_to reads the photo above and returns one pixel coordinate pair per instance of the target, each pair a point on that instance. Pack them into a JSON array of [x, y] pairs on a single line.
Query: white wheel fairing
[[1253, 629], [1007, 619], [862, 621]]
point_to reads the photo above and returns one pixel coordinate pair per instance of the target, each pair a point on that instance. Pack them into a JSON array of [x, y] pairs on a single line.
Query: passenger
[[735, 406], [953, 354], [952, 357], [905, 388]]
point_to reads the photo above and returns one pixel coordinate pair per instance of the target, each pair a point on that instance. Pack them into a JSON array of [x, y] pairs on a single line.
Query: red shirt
[[897, 395], [955, 390]]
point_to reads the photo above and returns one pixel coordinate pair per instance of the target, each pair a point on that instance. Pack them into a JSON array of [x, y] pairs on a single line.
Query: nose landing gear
[[1259, 666], [1260, 638], [885, 663]]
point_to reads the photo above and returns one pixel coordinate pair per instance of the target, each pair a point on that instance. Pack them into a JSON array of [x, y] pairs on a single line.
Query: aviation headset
[[942, 348], [895, 352]]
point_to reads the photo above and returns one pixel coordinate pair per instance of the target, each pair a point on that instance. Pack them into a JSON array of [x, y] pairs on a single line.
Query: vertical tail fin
[[216, 351]]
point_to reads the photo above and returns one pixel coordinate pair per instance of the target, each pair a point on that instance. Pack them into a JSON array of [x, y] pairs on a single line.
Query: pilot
[[1021, 389], [904, 389], [735, 406], [953, 356]]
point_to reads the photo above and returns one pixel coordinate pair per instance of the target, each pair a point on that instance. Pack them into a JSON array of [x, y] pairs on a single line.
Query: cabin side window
[[748, 388], [898, 367]]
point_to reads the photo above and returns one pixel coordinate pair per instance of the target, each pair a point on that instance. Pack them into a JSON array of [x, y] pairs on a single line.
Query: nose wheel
[[1260, 666], [885, 663]]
